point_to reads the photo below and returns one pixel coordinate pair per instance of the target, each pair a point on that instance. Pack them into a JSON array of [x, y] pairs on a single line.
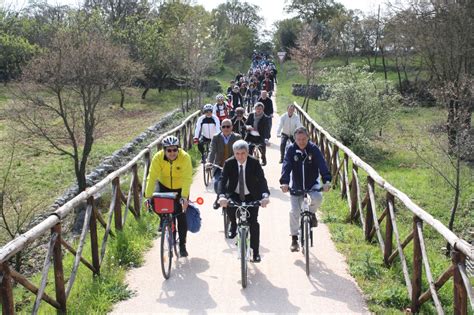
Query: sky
[[272, 10]]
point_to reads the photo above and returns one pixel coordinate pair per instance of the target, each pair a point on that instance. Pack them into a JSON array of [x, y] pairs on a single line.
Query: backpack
[[193, 218]]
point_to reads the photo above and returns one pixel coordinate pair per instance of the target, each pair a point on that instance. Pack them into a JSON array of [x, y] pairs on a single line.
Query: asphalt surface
[[208, 281]]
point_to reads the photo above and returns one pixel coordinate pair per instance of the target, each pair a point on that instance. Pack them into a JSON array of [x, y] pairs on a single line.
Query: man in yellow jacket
[[171, 171]]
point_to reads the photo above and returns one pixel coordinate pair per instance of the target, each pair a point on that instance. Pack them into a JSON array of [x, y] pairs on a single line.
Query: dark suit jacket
[[216, 153], [254, 178], [263, 125]]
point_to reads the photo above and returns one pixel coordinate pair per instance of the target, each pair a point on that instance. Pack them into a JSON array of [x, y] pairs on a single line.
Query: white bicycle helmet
[[220, 97], [207, 108], [170, 141]]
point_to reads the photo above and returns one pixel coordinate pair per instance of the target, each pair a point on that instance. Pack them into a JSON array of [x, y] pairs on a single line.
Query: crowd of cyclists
[[226, 134]]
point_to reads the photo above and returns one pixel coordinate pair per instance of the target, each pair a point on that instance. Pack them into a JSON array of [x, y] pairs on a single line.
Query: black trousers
[[259, 140], [203, 142], [253, 222], [284, 139], [180, 217]]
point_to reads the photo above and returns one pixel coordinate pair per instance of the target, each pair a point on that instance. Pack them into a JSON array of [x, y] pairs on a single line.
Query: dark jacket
[[314, 164], [263, 127], [237, 100], [216, 153], [238, 126], [268, 110], [254, 178]]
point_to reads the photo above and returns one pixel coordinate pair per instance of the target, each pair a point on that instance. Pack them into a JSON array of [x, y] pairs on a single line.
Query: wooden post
[[388, 231], [136, 191], [6, 290], [417, 267], [345, 166], [353, 188], [117, 204], [94, 238], [335, 150], [460, 293], [58, 271], [369, 217]]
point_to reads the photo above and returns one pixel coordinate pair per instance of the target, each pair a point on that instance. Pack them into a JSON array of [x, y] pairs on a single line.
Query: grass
[[393, 157]]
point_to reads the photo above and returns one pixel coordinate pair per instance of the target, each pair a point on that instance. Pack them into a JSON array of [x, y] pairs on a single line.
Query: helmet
[[220, 97], [207, 108], [170, 141]]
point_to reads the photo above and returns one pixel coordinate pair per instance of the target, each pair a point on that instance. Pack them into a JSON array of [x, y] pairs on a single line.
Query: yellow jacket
[[172, 174]]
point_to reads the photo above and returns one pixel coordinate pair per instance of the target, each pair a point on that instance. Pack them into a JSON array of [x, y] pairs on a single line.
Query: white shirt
[[288, 124], [246, 190], [207, 130]]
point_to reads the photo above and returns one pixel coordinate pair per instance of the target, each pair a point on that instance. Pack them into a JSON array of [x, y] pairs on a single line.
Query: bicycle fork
[[247, 242]]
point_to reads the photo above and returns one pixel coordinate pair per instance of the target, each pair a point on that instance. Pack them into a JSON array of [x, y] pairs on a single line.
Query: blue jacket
[[314, 164]]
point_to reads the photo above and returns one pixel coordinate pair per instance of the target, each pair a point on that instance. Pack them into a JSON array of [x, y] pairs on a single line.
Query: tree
[[286, 33], [314, 10], [359, 104], [63, 90], [310, 48], [15, 52]]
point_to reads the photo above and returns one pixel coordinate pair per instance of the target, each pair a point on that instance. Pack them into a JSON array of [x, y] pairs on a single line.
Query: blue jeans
[[217, 178]]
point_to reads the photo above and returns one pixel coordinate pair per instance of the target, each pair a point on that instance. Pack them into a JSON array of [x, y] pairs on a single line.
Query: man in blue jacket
[[304, 163]]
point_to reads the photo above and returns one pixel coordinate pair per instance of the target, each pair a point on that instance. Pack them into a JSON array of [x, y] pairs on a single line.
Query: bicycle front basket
[[163, 203]]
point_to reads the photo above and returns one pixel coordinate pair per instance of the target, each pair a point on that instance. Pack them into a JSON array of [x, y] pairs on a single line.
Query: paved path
[[209, 279]]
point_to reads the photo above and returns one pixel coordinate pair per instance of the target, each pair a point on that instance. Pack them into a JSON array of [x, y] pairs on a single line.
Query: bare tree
[[62, 93], [310, 48]]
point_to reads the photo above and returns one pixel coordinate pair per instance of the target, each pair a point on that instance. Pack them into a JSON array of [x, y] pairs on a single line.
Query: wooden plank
[[429, 276], [70, 249], [346, 180], [459, 291], [117, 204], [109, 225], [94, 238], [353, 196], [136, 191], [467, 283], [388, 232], [407, 240], [8, 306], [438, 284], [31, 287], [417, 268], [379, 220], [58, 271], [44, 273], [370, 186], [82, 241], [359, 203], [369, 218]]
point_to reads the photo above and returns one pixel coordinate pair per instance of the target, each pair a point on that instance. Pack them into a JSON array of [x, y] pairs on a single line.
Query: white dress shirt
[[246, 190]]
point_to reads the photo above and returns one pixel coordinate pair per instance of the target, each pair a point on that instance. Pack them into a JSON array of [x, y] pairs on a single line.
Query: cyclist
[[258, 130], [206, 127], [242, 180], [236, 97], [171, 171], [304, 162], [267, 84], [220, 109], [251, 97], [221, 150], [268, 103], [238, 122], [287, 126]]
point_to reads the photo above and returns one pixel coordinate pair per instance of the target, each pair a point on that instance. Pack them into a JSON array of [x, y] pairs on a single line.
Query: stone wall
[[315, 91]]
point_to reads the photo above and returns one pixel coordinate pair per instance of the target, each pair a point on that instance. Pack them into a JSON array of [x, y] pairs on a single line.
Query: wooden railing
[[345, 166], [119, 207]]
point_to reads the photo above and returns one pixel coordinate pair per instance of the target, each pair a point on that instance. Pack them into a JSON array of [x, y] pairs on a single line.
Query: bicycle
[[306, 232], [243, 240], [224, 213], [206, 172], [256, 153], [163, 205]]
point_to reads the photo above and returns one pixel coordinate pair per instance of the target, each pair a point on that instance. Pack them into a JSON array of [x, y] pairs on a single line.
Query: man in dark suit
[[258, 130], [221, 150], [243, 180]]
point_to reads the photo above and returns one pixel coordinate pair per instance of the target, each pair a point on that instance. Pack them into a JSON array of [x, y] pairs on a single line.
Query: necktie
[[241, 184]]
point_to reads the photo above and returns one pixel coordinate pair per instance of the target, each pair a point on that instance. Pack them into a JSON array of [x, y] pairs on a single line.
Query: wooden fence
[[345, 166], [119, 207]]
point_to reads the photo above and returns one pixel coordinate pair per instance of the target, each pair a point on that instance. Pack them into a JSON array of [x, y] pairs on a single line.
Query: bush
[[360, 104]]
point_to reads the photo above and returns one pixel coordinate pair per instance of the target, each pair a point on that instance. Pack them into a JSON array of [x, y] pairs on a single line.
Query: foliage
[[314, 10], [286, 34], [15, 52], [359, 104]]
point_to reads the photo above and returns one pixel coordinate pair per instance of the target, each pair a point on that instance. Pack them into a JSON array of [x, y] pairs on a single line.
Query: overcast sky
[[272, 10]]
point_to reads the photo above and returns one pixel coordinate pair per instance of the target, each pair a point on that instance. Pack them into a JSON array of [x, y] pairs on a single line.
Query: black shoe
[[281, 161], [231, 234], [257, 258], [294, 244], [264, 162], [216, 205], [182, 251]]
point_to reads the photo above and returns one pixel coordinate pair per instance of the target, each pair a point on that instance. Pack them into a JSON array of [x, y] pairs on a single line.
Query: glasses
[[171, 150], [226, 126]]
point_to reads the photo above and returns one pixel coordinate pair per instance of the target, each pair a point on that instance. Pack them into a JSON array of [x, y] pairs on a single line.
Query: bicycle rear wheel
[[243, 257], [166, 250], [306, 227], [226, 222], [207, 175]]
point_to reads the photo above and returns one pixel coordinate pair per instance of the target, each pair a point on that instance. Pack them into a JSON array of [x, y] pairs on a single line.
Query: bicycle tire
[[306, 227], [226, 223], [206, 175], [243, 257], [166, 254]]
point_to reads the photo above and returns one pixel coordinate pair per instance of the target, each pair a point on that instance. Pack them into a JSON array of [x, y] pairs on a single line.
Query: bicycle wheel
[[226, 222], [243, 256], [166, 250], [207, 175], [306, 227]]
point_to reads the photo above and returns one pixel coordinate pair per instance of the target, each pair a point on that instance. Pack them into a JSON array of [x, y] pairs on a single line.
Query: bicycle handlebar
[[233, 203]]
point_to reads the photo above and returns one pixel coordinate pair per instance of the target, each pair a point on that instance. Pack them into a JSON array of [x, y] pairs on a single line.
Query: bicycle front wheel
[[243, 257], [207, 175], [306, 231], [166, 250], [226, 222]]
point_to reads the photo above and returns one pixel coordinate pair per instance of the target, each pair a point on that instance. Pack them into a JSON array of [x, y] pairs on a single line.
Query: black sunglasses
[[171, 150], [226, 126]]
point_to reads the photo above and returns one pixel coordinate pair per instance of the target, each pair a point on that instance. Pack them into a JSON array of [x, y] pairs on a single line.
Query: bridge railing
[[345, 168], [50, 228]]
